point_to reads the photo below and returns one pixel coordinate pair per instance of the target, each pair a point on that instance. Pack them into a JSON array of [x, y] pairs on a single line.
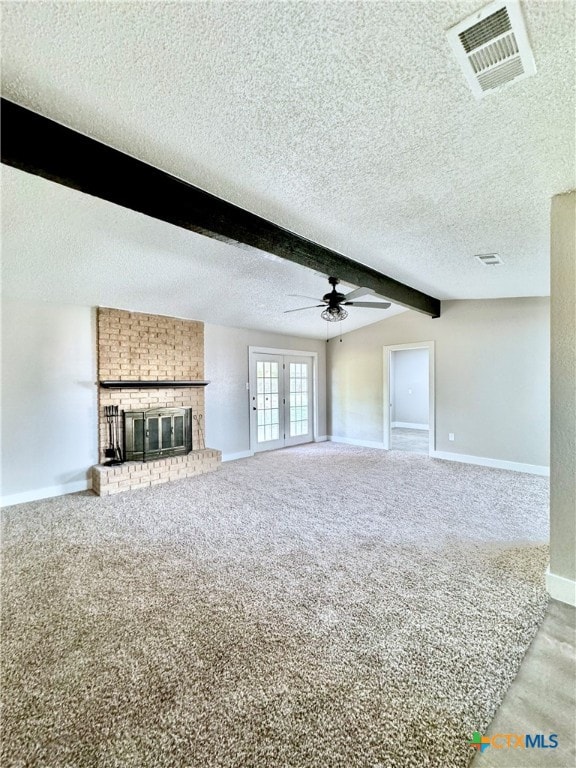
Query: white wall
[[409, 387], [562, 576], [227, 399], [492, 378], [49, 399]]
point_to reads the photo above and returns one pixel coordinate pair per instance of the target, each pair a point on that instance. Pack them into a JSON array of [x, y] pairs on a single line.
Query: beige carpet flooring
[[324, 605]]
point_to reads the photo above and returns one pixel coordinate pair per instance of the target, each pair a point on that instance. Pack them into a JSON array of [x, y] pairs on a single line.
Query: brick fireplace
[[149, 364]]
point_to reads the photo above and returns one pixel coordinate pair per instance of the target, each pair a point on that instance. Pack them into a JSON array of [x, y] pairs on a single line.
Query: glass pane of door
[[153, 434], [166, 432], [178, 430], [298, 388], [267, 402], [138, 431]]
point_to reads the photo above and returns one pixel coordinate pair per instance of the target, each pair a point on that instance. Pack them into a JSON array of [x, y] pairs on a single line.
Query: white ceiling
[[349, 123]]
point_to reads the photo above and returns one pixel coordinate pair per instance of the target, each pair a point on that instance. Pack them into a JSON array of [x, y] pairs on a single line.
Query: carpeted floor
[[324, 605]]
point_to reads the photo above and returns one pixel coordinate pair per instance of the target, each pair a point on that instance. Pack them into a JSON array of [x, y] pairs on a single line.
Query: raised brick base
[[138, 474]]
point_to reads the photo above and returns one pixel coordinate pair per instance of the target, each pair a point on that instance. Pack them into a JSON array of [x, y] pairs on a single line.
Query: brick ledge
[[139, 474]]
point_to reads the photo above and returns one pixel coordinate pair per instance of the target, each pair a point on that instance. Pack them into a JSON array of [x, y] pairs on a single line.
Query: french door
[[280, 400]]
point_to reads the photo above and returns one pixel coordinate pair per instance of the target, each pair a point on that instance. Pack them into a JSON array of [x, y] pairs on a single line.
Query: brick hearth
[[138, 474]]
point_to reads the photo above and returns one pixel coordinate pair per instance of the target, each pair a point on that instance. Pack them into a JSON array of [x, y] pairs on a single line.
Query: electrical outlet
[[450, 435]]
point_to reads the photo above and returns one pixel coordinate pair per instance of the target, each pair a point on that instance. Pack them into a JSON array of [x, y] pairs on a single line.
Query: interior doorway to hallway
[[409, 397]]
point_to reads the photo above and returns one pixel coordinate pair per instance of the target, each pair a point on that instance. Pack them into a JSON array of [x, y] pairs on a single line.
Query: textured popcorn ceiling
[[349, 123]]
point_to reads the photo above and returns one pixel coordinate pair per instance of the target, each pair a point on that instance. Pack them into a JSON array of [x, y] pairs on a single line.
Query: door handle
[[254, 408]]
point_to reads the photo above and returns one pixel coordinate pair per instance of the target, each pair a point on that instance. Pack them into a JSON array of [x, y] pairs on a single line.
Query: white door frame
[[290, 352], [429, 345]]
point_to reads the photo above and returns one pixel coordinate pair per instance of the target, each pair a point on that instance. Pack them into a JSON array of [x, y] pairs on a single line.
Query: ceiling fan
[[334, 302]]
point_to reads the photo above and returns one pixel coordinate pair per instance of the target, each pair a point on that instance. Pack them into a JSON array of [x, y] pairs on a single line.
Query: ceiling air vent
[[492, 47], [489, 259]]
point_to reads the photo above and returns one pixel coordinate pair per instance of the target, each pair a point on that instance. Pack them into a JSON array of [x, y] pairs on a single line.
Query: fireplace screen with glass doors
[[156, 433]]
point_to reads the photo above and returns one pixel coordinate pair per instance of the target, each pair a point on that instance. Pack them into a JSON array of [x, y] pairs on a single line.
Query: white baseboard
[[514, 466], [352, 441], [321, 439], [560, 588], [234, 456], [45, 493], [408, 425]]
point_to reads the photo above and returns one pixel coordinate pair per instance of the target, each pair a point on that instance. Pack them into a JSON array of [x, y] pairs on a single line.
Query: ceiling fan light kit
[[334, 303], [334, 314]]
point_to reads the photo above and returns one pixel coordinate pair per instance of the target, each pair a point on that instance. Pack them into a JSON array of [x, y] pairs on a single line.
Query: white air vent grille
[[504, 49], [485, 31], [492, 47], [500, 75], [489, 259]]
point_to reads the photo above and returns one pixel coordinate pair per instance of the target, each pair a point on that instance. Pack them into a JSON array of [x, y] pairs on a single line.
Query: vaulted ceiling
[[349, 123]]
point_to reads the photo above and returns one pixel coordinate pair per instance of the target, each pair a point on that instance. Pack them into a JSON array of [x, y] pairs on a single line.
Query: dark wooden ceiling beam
[[38, 145]]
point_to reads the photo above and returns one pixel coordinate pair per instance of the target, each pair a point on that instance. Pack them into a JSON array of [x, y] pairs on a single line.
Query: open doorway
[[409, 397]]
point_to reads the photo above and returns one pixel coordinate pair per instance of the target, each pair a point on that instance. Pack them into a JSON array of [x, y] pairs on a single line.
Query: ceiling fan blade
[[299, 296], [372, 304], [357, 293], [301, 308]]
